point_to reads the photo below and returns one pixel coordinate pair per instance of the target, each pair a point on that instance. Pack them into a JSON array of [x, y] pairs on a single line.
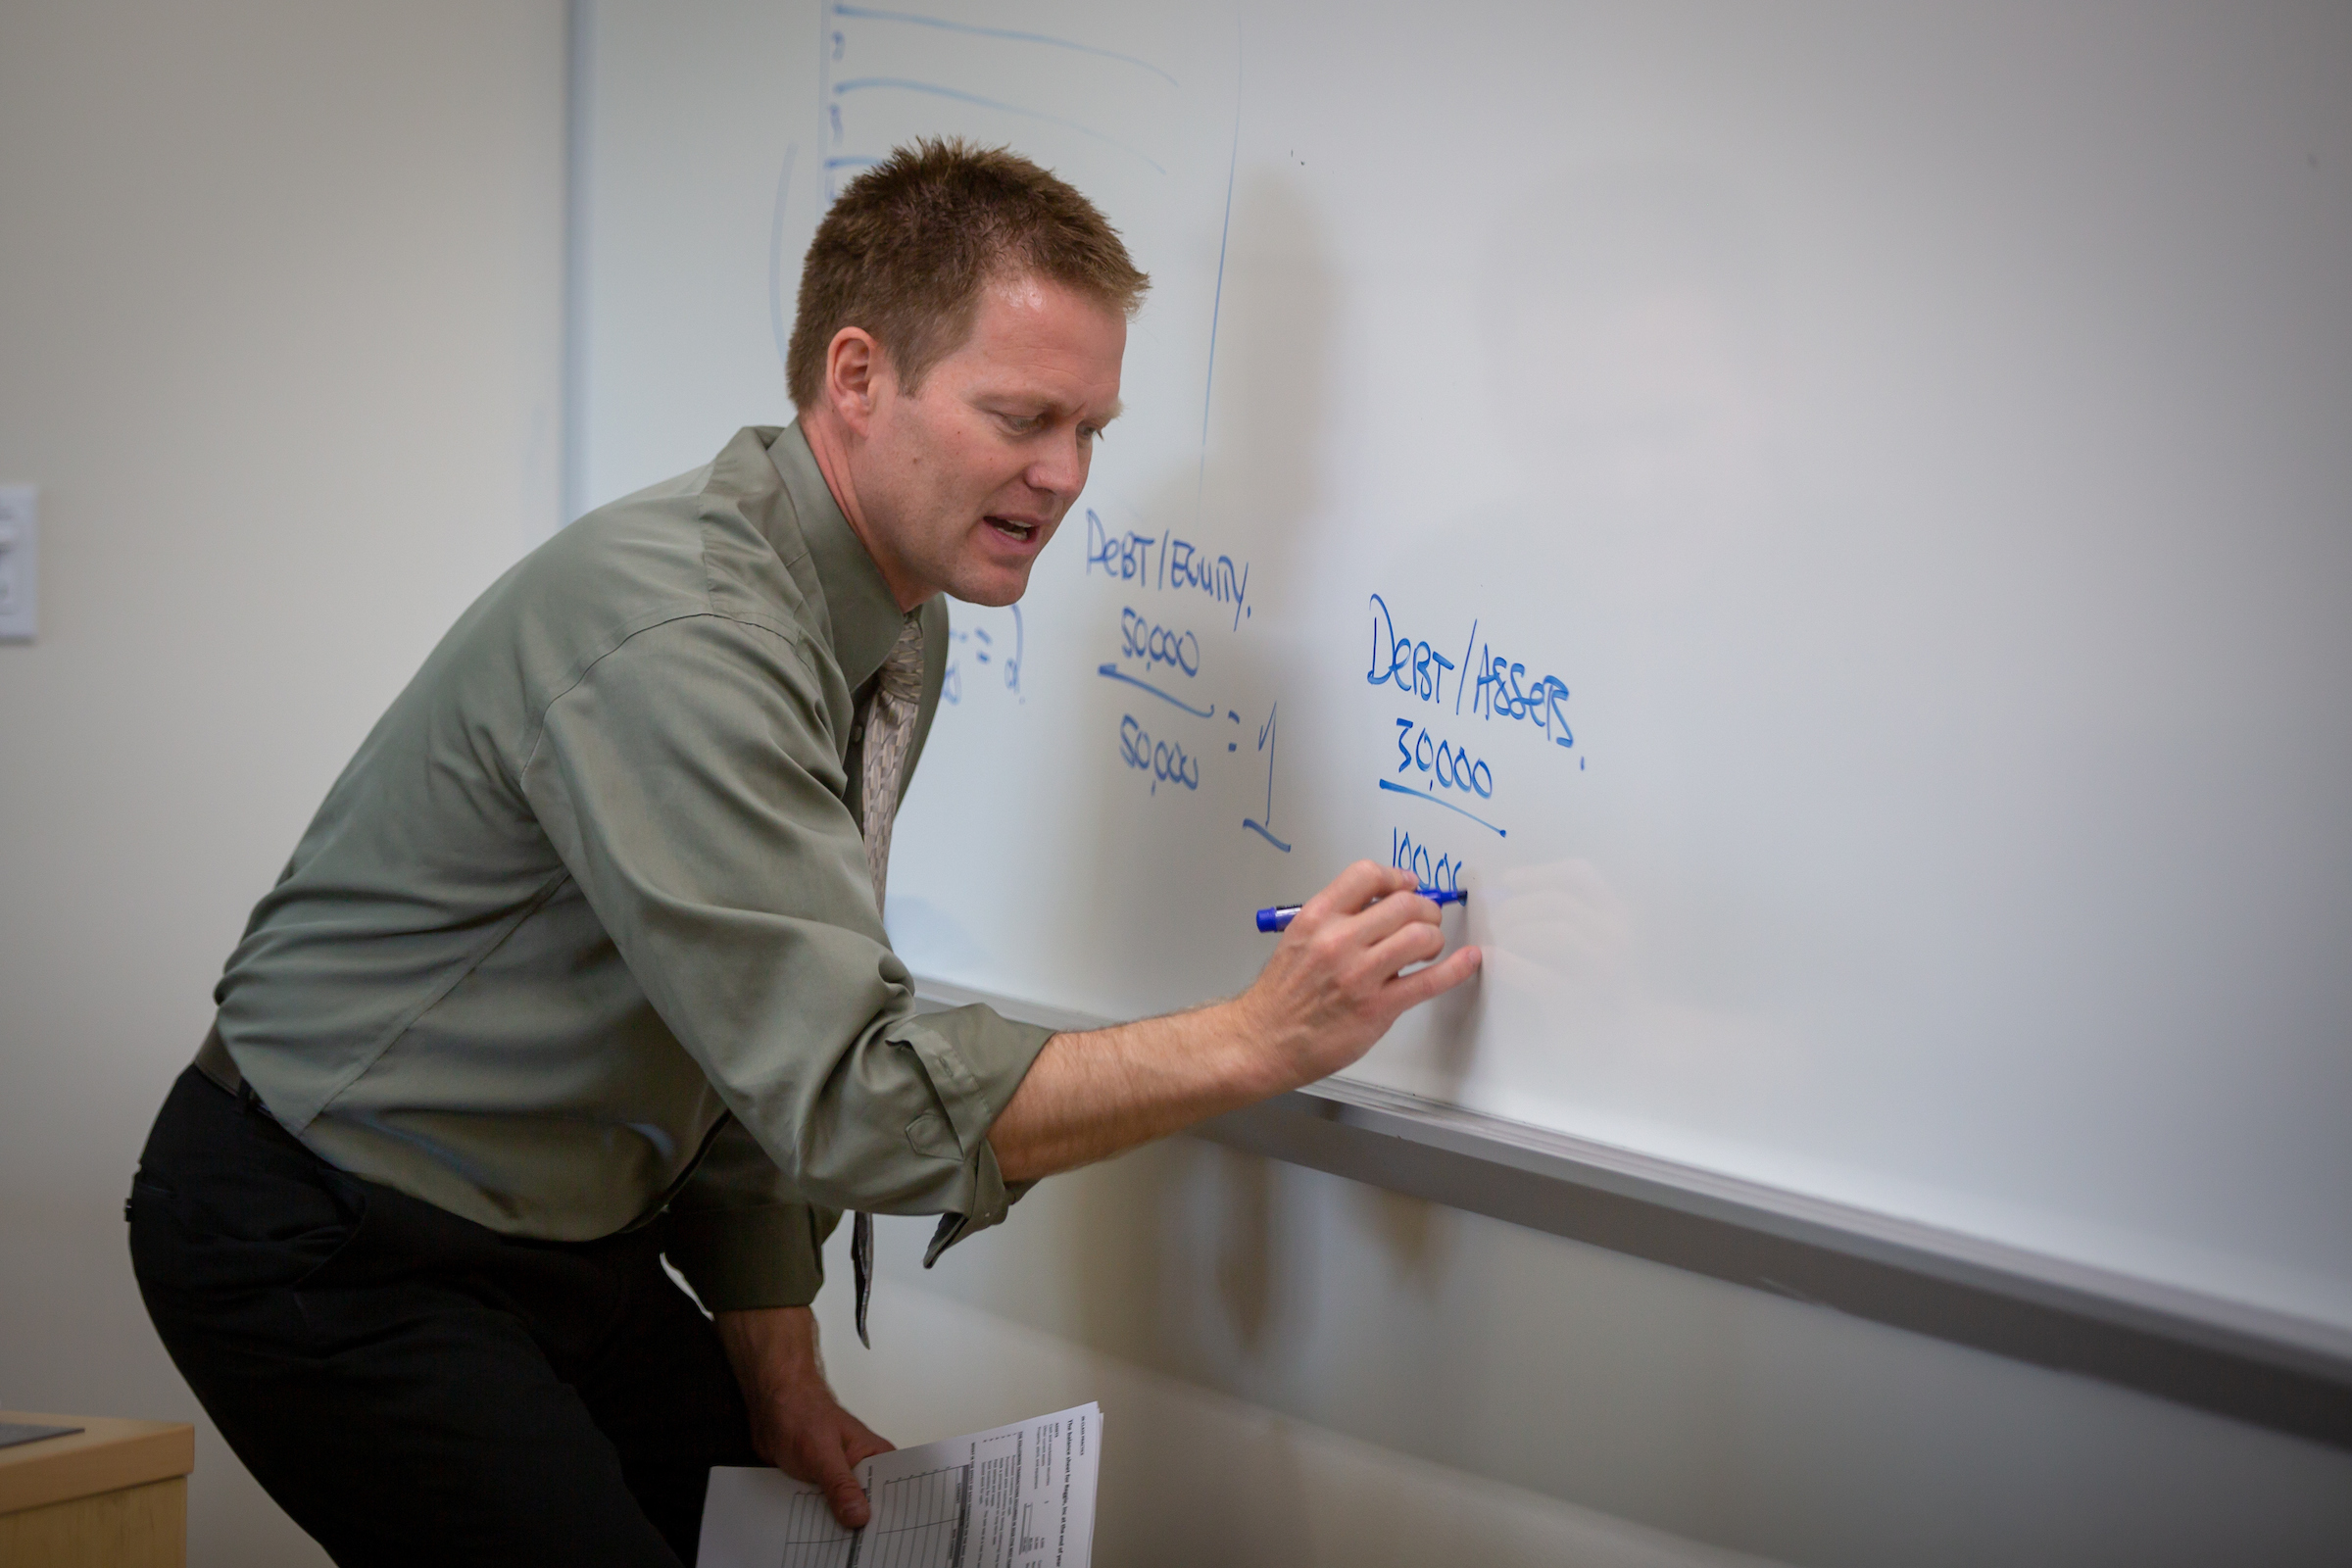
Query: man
[[582, 962]]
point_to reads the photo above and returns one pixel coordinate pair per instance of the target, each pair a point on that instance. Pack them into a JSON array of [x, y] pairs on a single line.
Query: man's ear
[[854, 372]]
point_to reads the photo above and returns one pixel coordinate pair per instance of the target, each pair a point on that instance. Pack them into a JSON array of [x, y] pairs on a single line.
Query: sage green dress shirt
[[585, 931]]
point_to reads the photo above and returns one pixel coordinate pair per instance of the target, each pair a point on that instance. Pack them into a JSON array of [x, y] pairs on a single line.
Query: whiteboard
[[1835, 523]]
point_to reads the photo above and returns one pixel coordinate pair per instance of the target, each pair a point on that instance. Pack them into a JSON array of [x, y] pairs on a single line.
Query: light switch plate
[[20, 560]]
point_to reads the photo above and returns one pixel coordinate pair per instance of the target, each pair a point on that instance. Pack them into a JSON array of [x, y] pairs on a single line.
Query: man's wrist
[[770, 1348], [1254, 1064]]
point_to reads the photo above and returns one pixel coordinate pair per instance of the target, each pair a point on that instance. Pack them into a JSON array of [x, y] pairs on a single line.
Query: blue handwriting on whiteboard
[[1444, 873], [1445, 765], [1502, 690], [1416, 669], [1265, 744], [1165, 761], [1163, 562], [1395, 788], [984, 647], [1154, 644], [1495, 685], [1123, 556], [1115, 673], [1183, 566]]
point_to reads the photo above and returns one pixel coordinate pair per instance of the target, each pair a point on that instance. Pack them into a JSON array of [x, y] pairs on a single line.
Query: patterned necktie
[[888, 725]]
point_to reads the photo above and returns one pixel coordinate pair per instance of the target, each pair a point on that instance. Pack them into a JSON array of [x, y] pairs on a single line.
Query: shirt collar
[[865, 614]]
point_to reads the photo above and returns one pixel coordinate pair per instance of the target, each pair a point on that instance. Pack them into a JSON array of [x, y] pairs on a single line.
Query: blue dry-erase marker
[[1282, 914]]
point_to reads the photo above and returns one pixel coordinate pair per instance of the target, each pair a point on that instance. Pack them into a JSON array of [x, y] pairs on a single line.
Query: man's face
[[962, 482]]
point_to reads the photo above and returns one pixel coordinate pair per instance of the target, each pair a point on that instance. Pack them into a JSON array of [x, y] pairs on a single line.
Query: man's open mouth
[[1022, 532]]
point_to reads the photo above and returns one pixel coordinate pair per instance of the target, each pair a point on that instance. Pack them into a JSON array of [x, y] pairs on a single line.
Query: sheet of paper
[[1015, 1497]]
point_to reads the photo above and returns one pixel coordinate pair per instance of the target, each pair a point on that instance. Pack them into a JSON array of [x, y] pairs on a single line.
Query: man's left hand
[[797, 1425]]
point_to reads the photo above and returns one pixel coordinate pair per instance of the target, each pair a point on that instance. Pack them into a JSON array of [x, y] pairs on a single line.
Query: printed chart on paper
[[1017, 1497]]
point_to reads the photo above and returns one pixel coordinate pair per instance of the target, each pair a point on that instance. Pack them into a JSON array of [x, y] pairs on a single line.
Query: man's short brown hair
[[910, 243]]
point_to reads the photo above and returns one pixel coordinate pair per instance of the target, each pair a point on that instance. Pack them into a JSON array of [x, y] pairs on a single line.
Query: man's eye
[[1021, 423]]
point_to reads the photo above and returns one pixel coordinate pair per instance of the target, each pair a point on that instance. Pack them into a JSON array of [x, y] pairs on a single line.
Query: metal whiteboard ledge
[[2276, 1371]]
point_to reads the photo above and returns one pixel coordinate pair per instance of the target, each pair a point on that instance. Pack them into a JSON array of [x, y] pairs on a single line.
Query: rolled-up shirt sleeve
[[692, 784]]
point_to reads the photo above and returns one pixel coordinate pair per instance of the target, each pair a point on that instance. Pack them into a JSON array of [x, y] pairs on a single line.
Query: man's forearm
[[797, 1425], [1093, 1095], [1343, 972]]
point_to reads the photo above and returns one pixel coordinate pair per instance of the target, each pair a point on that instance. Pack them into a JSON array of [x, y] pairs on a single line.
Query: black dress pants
[[414, 1387]]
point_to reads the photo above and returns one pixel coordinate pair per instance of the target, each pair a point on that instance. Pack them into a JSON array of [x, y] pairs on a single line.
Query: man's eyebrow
[[1053, 407]]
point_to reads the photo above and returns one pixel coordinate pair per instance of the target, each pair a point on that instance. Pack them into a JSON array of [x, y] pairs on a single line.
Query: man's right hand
[[1331, 990], [1334, 985]]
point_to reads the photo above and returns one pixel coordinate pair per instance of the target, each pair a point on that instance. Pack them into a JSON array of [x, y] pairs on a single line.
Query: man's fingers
[[846, 1497], [1392, 913], [1415, 942], [864, 1444], [849, 1505], [1438, 978], [1338, 972], [1356, 887], [832, 1454]]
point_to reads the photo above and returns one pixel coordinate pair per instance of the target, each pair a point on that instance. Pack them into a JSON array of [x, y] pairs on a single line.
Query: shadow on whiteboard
[[1561, 1026]]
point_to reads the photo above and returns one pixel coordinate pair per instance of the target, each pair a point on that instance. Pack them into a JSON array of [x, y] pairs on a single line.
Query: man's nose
[[1061, 469]]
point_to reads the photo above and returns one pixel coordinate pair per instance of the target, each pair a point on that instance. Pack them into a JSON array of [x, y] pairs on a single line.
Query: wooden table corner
[[114, 1493]]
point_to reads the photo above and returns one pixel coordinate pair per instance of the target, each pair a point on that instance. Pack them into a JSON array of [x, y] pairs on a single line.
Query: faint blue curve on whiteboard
[[1424, 795], [869, 14], [775, 262], [1115, 673], [1216, 304], [1260, 828], [905, 85]]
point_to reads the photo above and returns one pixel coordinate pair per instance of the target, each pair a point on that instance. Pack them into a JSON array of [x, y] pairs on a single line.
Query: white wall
[[281, 325]]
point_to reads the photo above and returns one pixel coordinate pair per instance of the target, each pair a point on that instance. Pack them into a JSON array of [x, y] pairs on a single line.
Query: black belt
[[215, 1063], [218, 1065]]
